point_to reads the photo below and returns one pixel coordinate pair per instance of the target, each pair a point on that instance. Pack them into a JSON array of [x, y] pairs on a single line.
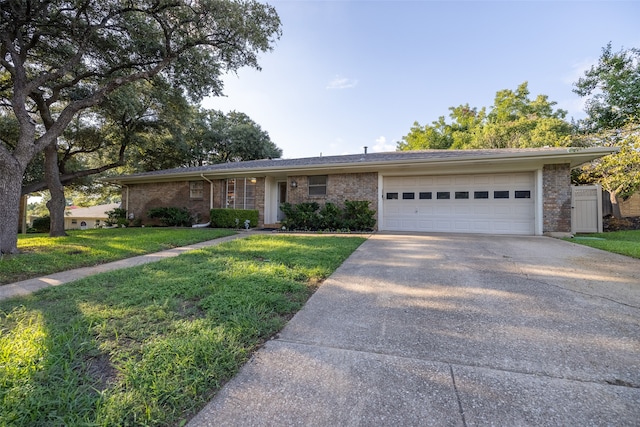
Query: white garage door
[[487, 203]]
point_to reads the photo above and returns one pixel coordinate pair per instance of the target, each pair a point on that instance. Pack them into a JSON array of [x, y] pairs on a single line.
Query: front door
[[282, 197]]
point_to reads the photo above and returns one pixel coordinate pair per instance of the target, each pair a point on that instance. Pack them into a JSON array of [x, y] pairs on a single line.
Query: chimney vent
[[365, 149]]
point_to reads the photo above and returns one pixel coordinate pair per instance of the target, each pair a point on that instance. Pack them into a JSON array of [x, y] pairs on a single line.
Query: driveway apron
[[454, 330]]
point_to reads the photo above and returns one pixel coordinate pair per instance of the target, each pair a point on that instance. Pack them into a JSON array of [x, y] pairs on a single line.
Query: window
[[74, 221], [480, 194], [240, 193], [523, 194], [462, 195], [443, 195], [425, 195], [318, 185], [501, 194], [196, 190], [392, 196], [408, 196]]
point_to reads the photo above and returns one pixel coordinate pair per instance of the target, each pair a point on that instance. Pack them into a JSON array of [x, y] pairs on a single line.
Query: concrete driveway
[[453, 330]]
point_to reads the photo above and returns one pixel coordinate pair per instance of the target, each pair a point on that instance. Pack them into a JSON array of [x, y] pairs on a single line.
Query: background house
[[500, 191], [76, 218]]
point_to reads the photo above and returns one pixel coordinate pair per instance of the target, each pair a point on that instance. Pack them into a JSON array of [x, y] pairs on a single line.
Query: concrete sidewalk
[[26, 287], [452, 330]]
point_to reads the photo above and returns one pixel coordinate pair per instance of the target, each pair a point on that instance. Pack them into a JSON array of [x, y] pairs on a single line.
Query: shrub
[[356, 216], [117, 216], [331, 217], [303, 216], [172, 216], [233, 218], [42, 224]]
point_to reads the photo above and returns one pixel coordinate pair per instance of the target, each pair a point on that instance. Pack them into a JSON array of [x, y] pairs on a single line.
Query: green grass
[[150, 345], [41, 255], [619, 242]]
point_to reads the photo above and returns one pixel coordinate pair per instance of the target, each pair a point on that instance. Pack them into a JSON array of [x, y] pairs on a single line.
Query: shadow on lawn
[[145, 345]]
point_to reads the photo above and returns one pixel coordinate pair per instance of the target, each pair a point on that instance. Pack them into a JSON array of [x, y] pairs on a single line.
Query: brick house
[[502, 191]]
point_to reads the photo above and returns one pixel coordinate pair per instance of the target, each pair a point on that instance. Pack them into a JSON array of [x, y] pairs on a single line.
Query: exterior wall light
[[294, 184]]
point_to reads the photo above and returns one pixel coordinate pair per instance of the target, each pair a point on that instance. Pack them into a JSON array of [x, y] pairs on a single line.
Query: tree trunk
[[10, 185], [615, 207], [57, 203]]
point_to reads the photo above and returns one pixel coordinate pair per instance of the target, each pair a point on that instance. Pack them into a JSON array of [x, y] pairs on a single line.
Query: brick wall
[[340, 187], [143, 197], [556, 193]]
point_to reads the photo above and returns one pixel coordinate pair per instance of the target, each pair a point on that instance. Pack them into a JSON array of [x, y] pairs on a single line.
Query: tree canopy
[[612, 89], [514, 121], [59, 58]]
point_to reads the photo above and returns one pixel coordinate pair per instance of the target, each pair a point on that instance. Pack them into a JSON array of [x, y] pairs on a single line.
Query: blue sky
[[349, 74]]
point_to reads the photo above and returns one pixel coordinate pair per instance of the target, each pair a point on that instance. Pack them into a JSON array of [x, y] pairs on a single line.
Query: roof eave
[[574, 156]]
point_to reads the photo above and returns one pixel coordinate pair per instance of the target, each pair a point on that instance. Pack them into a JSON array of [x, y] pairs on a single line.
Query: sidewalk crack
[[455, 389]]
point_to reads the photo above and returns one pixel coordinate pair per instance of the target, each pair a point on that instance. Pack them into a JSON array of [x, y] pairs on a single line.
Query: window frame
[[320, 187], [195, 188]]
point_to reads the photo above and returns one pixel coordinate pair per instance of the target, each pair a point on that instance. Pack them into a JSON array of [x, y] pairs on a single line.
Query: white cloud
[[340, 82], [382, 145], [578, 69]]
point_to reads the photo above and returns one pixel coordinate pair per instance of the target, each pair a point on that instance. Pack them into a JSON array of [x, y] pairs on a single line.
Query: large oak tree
[[59, 58]]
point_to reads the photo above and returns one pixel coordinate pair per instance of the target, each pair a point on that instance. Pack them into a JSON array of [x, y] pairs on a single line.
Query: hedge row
[[355, 216], [233, 218]]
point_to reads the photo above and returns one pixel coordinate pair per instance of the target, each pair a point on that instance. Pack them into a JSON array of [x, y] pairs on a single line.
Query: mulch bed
[[610, 223]]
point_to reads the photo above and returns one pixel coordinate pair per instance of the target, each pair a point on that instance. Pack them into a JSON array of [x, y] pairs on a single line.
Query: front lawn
[[619, 242], [150, 345], [41, 255]]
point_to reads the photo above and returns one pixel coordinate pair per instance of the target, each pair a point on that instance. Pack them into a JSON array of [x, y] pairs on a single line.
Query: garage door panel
[[476, 210], [481, 179], [482, 210], [462, 210], [462, 180]]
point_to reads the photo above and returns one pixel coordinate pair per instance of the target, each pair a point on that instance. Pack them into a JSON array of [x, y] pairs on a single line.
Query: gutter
[[210, 190], [205, 225]]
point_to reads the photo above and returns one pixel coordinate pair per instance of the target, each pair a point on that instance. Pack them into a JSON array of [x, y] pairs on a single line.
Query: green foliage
[[117, 216], [617, 173], [172, 216], [218, 138], [40, 255], [613, 90], [151, 344], [308, 216], [330, 217], [233, 218], [358, 216], [303, 216], [514, 121], [42, 224]]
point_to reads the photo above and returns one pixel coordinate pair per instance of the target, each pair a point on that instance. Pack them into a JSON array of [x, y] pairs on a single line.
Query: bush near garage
[[309, 216]]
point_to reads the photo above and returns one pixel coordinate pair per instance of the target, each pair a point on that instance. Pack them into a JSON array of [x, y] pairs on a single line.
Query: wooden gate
[[586, 209]]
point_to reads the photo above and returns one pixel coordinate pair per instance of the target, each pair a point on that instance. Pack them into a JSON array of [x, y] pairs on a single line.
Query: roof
[[366, 162], [91, 211]]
